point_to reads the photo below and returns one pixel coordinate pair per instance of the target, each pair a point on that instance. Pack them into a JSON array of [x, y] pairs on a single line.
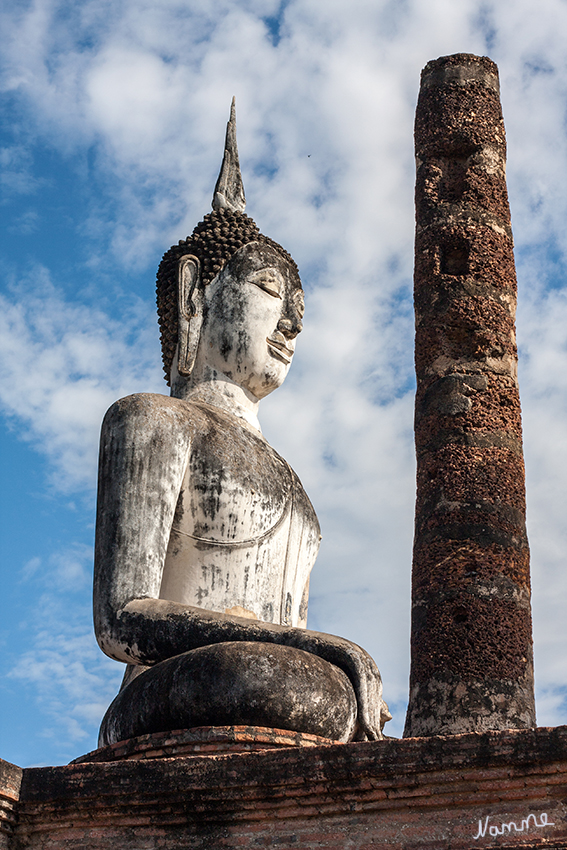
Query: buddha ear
[[190, 312]]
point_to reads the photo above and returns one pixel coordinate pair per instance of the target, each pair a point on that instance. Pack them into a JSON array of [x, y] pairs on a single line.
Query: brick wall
[[422, 793]]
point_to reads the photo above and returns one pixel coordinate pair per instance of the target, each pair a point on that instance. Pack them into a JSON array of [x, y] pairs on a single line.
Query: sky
[[113, 120]]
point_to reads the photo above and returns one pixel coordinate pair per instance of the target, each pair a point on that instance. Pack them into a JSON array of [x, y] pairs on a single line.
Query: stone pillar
[[471, 648]]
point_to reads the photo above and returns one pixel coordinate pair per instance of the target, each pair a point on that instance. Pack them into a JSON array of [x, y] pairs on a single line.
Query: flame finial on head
[[229, 190]]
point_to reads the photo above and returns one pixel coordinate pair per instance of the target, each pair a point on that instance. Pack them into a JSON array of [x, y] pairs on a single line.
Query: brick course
[[396, 794]]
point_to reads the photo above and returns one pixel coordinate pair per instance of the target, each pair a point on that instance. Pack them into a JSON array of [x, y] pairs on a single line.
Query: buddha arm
[[143, 456]]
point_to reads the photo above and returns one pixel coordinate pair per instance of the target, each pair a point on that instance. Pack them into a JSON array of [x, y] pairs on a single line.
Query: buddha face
[[251, 317]]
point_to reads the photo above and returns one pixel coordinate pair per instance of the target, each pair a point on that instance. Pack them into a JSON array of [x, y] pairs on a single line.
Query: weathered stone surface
[[229, 189], [236, 683], [205, 535], [471, 663], [10, 782], [497, 789]]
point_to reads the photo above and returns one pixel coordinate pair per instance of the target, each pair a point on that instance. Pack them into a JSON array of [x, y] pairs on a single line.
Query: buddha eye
[[269, 281]]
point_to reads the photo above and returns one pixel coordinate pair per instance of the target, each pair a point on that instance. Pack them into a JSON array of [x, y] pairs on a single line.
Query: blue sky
[[113, 117]]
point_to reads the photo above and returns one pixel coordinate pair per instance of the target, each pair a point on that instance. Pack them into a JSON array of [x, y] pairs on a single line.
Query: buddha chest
[[244, 535]]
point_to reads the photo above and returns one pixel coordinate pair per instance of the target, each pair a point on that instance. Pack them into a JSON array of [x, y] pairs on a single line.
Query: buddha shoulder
[[150, 440], [149, 417], [145, 439], [155, 429]]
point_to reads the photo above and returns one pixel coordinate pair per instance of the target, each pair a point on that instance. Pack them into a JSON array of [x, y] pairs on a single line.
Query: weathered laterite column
[[471, 651]]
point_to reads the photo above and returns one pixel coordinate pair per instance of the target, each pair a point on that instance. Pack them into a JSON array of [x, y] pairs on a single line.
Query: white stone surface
[[204, 534]]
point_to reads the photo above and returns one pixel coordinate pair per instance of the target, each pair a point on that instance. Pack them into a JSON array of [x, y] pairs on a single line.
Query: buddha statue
[[205, 538]]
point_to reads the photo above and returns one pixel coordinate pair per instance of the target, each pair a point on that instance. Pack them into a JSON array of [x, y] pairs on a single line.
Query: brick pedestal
[[203, 740], [495, 789]]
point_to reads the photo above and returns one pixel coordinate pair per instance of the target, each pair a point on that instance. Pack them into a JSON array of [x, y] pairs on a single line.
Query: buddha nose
[[290, 327]]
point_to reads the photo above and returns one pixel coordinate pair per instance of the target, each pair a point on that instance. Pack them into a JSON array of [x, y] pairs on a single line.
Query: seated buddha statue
[[205, 537]]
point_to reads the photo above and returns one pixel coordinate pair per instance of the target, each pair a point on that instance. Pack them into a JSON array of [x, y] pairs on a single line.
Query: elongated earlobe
[[190, 313]]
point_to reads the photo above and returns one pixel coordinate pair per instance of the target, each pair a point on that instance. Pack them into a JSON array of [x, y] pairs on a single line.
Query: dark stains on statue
[[233, 684], [261, 265], [235, 468]]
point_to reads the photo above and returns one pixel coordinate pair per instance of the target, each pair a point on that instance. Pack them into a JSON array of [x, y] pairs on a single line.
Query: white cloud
[[15, 172], [63, 365], [71, 680], [543, 380]]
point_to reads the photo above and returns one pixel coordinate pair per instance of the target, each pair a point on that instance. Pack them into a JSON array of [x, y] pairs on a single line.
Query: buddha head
[[230, 300]]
